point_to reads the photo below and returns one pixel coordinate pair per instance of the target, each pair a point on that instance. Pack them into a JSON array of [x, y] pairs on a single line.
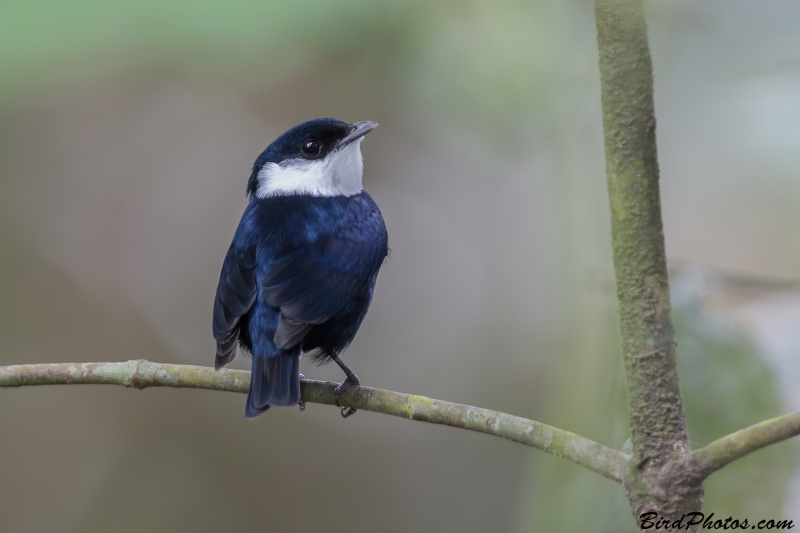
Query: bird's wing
[[312, 283], [236, 293]]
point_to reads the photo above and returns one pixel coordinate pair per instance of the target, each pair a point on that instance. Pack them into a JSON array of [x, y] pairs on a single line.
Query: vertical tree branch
[[657, 477]]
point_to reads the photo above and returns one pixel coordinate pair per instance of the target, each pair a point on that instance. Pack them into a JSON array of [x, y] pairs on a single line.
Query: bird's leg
[[302, 402], [351, 380]]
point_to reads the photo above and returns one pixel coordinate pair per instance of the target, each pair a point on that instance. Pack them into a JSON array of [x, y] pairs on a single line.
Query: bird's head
[[321, 157]]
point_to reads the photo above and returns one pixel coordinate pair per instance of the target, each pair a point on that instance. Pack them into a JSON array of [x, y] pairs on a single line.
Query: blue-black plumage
[[300, 272]]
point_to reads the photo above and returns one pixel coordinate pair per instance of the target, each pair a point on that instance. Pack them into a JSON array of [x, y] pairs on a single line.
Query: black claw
[[352, 380], [346, 384], [343, 386]]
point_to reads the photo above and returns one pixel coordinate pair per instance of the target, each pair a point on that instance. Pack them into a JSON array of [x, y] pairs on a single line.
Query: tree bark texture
[[142, 374], [657, 478]]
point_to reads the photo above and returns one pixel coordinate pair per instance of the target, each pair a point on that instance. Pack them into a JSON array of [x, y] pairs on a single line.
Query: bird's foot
[[346, 384], [302, 403]]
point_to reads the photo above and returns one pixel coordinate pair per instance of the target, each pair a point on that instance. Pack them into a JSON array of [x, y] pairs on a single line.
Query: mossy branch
[[656, 479], [648, 340], [142, 374], [719, 453], [605, 461]]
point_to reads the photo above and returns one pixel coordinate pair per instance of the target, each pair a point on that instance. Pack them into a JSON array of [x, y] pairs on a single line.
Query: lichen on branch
[[143, 374], [657, 478]]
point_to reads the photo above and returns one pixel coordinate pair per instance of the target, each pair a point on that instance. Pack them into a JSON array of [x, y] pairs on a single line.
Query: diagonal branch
[[722, 451], [142, 374]]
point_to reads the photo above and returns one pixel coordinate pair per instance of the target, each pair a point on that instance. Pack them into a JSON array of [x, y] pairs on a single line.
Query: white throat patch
[[337, 174]]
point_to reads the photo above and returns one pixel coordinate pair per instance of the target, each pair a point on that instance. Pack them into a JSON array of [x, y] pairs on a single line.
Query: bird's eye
[[311, 148]]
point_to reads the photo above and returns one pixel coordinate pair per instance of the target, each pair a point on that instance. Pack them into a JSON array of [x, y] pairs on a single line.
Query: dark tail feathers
[[275, 381]]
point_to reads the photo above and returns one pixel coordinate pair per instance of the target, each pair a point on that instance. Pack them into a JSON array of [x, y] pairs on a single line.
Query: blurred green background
[[127, 132]]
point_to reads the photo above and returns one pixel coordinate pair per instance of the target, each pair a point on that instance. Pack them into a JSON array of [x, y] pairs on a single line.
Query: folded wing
[[236, 293], [310, 284]]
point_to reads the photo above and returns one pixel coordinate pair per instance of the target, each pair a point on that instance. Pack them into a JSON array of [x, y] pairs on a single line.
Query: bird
[[299, 275]]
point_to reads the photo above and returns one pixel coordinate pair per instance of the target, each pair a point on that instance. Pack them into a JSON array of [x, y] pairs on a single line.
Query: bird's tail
[[275, 381]]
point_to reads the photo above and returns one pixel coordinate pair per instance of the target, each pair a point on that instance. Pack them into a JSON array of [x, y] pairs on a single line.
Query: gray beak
[[359, 129]]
